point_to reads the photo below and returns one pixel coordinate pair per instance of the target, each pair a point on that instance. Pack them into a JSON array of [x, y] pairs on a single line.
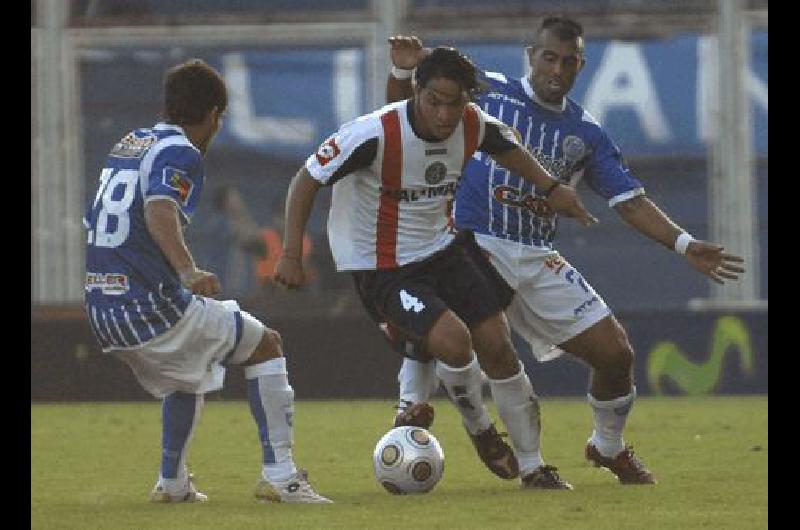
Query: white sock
[[272, 406], [518, 407], [417, 382], [465, 389], [609, 420]]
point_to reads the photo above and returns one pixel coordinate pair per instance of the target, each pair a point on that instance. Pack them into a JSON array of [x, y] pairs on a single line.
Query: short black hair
[[191, 89], [564, 28], [448, 63]]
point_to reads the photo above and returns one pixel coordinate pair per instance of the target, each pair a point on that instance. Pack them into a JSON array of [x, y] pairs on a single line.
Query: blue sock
[[178, 415]]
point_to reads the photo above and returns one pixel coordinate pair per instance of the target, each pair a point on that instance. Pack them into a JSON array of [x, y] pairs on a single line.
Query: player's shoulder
[[172, 146], [369, 125], [499, 86], [585, 120], [581, 115]]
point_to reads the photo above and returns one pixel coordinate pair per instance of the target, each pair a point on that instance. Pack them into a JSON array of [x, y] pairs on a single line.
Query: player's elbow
[[160, 215]]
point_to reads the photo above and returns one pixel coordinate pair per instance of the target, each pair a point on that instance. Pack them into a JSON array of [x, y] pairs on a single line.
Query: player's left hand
[[565, 201], [710, 259]]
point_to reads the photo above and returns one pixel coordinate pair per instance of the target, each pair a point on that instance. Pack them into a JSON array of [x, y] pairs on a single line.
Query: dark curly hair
[[191, 89], [562, 27], [448, 63]]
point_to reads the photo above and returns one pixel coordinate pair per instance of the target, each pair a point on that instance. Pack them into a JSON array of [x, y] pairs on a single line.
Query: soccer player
[[393, 173], [555, 308], [150, 305]]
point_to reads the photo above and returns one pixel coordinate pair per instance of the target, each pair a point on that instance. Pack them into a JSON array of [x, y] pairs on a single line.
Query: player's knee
[[617, 359], [269, 347], [449, 341], [500, 363]]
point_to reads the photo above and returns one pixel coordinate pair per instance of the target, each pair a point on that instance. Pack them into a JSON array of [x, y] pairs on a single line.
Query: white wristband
[[401, 73], [682, 242]]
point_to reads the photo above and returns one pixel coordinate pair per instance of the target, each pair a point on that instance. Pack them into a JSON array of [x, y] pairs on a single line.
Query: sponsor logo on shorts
[[584, 307], [555, 263]]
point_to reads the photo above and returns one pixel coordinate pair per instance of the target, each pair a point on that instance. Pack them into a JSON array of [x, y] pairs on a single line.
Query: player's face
[[440, 105], [211, 126], [555, 64]]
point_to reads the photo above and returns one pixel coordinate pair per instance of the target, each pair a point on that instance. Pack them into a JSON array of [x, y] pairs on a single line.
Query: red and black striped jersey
[[391, 187]]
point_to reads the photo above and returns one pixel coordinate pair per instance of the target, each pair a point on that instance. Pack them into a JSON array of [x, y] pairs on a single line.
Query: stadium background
[[298, 69]]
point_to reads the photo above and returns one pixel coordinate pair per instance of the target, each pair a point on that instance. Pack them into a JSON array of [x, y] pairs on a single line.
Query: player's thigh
[[555, 302], [491, 340], [470, 285], [603, 345]]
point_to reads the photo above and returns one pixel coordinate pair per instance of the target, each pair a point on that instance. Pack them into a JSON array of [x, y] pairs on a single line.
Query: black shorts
[[412, 297]]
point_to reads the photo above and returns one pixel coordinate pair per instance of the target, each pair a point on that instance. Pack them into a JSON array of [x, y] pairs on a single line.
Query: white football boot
[[160, 495], [294, 489]]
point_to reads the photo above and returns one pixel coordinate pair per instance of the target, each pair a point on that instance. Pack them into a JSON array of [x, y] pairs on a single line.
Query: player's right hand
[[406, 51], [564, 200], [289, 272], [201, 282]]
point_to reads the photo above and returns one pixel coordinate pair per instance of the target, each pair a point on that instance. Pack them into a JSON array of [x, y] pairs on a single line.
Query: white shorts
[[552, 304], [187, 357]]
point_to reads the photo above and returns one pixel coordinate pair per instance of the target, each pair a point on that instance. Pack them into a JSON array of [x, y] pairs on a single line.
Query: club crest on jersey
[[327, 151], [178, 180], [435, 173], [574, 148]]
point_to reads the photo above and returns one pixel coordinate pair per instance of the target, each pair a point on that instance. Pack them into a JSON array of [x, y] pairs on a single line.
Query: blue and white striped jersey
[[132, 293], [569, 143]]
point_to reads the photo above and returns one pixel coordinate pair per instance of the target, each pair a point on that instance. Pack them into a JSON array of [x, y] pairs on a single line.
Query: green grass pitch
[[93, 465]]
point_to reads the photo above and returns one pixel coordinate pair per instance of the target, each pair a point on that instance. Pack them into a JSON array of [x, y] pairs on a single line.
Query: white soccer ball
[[408, 460]]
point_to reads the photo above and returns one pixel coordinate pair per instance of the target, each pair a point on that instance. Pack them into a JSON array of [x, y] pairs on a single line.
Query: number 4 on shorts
[[410, 302]]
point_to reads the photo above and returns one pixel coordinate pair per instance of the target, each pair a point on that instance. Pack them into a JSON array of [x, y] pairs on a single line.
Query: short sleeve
[[498, 137], [176, 174], [606, 173], [351, 148]]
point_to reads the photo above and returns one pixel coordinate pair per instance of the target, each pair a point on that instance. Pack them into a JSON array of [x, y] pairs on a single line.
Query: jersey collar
[[163, 126], [526, 86]]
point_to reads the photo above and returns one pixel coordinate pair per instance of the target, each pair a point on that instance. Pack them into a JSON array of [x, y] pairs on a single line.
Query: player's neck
[[198, 136], [412, 113], [555, 107]]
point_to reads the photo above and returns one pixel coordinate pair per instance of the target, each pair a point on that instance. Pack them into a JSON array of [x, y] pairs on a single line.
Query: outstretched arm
[[299, 201], [708, 258], [405, 52]]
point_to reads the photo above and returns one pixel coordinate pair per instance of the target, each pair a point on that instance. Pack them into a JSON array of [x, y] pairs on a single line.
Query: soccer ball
[[408, 460]]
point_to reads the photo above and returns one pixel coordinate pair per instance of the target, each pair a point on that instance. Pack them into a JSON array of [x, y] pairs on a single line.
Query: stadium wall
[[678, 352]]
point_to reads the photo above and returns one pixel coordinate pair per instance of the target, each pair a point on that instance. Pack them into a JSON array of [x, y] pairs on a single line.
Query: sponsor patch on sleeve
[[327, 151], [178, 180]]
